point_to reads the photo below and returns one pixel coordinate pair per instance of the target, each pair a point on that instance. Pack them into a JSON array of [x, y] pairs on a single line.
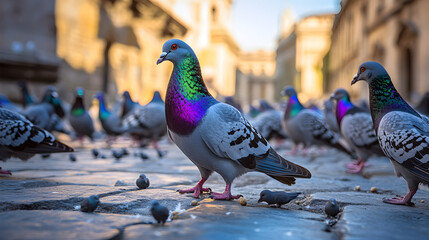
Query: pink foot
[[197, 190], [226, 195], [357, 168], [355, 163], [292, 152], [405, 200], [5, 172]]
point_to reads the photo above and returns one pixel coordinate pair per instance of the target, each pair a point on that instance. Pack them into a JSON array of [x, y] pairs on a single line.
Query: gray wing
[[82, 125], [229, 135], [359, 130], [38, 115], [113, 124], [404, 138], [269, 123], [20, 135], [310, 122]]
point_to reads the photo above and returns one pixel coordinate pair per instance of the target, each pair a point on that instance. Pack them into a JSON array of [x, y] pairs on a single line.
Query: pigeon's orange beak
[[161, 58]]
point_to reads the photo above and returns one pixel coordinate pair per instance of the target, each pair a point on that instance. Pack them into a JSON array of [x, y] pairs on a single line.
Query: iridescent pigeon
[[79, 118], [403, 133], [357, 129], [110, 121], [20, 138], [42, 114], [213, 135], [148, 122], [306, 126]]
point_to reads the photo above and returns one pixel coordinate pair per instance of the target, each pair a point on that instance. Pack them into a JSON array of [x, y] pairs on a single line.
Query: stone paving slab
[[40, 199]]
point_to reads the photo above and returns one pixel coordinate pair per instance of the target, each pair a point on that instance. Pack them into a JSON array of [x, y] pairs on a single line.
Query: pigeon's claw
[[226, 195], [357, 168], [197, 190]]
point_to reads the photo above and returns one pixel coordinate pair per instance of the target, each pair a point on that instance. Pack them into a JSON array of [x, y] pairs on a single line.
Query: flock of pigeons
[[218, 137]]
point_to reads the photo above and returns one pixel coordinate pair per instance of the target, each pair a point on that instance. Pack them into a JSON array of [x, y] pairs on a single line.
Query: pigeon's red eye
[[362, 69], [174, 47]]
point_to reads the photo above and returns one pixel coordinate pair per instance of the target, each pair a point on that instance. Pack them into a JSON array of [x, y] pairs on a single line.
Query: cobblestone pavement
[[41, 199]]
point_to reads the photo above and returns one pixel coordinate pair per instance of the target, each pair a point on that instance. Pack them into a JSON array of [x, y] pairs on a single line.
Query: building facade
[[255, 77], [391, 32], [300, 55]]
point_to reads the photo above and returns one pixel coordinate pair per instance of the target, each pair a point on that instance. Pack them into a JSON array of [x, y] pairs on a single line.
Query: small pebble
[[422, 201], [103, 157], [125, 152], [117, 155], [95, 152], [89, 204], [242, 201], [297, 202], [72, 157], [44, 156], [373, 190], [143, 155], [175, 213], [194, 203], [142, 182], [357, 188]]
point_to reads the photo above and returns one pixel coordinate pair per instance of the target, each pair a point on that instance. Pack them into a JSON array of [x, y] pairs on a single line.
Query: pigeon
[[279, 198], [41, 113], [306, 126], [269, 124], [27, 98], [110, 122], [423, 106], [89, 204], [143, 156], [128, 105], [20, 138], [142, 182], [403, 134], [357, 129], [79, 118], [331, 208], [148, 122], [159, 212], [214, 135]]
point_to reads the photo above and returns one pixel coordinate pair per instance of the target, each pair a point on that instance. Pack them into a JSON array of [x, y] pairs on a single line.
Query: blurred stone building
[[394, 33], [300, 52], [101, 45], [255, 77], [209, 35]]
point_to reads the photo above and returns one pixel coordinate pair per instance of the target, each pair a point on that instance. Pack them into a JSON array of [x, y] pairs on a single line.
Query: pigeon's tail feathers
[[421, 171], [281, 169], [48, 147]]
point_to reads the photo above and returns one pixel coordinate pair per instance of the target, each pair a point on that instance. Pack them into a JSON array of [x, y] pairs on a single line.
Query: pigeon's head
[[54, 100], [175, 50], [94, 199], [368, 71], [339, 94], [156, 97], [289, 91], [126, 94], [99, 96], [79, 92], [264, 195]]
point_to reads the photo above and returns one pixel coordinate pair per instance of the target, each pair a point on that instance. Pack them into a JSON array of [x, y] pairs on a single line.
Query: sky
[[256, 23]]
